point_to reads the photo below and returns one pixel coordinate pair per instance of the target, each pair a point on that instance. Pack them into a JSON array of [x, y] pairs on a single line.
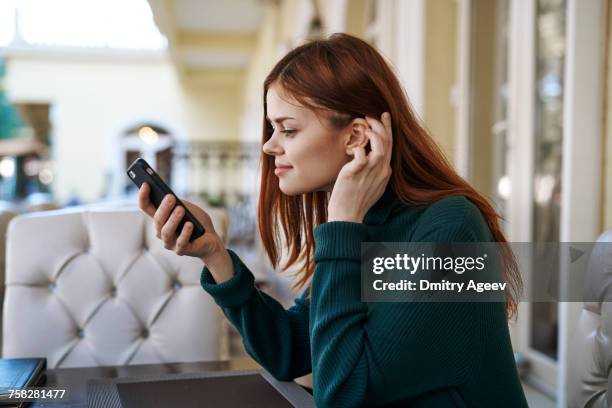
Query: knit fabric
[[381, 353]]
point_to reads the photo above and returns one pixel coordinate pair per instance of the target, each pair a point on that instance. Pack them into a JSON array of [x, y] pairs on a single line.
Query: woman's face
[[308, 152]]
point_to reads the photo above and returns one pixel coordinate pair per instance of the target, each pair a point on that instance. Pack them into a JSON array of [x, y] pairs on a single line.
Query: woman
[[345, 161]]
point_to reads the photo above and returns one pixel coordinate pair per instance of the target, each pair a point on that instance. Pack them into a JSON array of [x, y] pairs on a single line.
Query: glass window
[[499, 131], [550, 57]]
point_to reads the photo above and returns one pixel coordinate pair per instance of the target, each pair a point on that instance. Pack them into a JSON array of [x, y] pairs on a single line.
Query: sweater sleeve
[[277, 338], [361, 351]]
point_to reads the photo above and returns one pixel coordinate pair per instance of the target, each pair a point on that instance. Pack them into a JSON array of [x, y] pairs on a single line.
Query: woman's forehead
[[280, 103]]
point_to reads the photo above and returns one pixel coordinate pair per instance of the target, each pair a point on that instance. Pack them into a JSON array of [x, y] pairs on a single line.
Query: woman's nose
[[271, 147]]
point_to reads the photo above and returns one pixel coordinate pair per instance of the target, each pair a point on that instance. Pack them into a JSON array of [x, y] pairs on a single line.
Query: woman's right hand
[[209, 247], [166, 222]]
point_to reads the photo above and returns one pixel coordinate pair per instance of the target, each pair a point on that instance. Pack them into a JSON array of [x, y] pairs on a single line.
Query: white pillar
[[461, 91], [407, 47], [582, 147]]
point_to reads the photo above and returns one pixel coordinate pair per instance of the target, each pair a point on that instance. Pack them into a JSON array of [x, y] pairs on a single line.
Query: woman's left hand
[[362, 181]]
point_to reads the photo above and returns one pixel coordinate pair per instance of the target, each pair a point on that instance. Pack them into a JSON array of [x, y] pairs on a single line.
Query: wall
[[440, 71], [94, 99], [482, 86], [607, 139]]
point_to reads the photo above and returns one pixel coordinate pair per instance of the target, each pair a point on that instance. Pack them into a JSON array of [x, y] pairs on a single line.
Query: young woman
[[345, 160]]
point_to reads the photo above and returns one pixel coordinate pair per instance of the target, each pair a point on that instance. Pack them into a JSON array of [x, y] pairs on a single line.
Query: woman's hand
[[167, 218], [209, 247], [362, 181]]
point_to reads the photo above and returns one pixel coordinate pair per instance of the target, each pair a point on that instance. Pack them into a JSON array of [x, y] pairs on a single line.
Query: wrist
[[355, 220], [219, 263], [344, 217], [215, 253]]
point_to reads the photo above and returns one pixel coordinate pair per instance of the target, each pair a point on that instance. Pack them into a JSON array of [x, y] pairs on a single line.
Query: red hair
[[347, 76]]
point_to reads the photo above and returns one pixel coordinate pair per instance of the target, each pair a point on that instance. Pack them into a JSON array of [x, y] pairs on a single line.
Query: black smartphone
[[140, 171]]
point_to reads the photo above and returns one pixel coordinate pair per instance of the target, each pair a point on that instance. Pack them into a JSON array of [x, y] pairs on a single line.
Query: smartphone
[[140, 171]]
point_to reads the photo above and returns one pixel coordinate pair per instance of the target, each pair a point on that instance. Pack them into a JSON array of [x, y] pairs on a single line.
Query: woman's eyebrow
[[279, 120]]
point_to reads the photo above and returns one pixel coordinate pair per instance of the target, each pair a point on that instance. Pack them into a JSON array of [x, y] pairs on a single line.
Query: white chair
[[5, 217], [94, 286], [590, 365]]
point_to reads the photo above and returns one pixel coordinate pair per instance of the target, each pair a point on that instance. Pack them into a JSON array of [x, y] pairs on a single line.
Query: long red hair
[[347, 76]]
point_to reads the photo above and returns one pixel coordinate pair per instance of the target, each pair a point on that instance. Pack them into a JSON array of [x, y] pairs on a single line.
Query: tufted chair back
[[87, 287], [5, 217], [590, 378]]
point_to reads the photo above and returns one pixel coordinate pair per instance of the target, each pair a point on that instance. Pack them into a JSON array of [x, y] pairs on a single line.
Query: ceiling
[[227, 16], [210, 41]]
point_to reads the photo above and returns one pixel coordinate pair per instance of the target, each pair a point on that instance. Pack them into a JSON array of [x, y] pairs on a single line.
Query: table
[[74, 380]]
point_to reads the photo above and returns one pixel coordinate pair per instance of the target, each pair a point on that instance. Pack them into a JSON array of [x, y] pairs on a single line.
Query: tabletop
[[74, 380]]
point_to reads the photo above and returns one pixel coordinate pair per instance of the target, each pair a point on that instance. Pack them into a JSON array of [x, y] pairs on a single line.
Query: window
[[152, 143], [550, 53]]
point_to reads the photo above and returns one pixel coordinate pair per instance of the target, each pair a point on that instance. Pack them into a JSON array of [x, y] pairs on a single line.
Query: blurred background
[[515, 91]]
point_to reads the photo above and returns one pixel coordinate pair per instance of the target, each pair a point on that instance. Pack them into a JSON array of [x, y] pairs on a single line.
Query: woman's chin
[[289, 190], [293, 190]]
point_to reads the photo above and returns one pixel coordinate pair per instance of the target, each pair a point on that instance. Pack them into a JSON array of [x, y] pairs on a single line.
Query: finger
[[388, 139], [144, 202], [386, 121], [201, 215], [168, 232], [376, 125], [163, 212], [386, 136], [383, 126], [384, 139], [182, 242], [359, 159], [378, 149]]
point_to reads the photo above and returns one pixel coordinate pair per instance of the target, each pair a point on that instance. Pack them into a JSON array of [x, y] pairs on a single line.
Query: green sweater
[[371, 354]]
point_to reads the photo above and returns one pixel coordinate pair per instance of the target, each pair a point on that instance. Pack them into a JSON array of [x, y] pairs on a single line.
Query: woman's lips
[[281, 170]]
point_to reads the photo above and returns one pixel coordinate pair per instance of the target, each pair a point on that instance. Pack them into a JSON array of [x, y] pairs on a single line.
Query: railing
[[221, 172], [224, 174]]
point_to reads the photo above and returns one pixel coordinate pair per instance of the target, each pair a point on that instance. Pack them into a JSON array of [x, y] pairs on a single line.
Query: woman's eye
[[288, 131]]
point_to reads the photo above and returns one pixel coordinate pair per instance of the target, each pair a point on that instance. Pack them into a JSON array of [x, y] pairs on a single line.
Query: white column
[[335, 16], [582, 147], [521, 106], [520, 166], [461, 91], [407, 46]]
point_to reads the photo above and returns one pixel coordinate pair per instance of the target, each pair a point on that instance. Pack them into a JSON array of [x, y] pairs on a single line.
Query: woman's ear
[[355, 135]]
